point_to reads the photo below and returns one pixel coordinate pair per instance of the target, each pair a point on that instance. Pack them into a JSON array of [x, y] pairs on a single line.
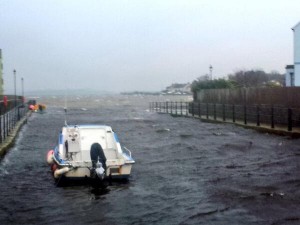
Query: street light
[[15, 87], [210, 70], [22, 82]]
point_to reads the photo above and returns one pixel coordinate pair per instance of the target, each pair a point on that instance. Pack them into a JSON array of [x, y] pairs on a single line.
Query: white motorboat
[[89, 151]]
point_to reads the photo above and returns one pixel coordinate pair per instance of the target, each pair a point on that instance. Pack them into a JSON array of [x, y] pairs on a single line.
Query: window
[[292, 79]]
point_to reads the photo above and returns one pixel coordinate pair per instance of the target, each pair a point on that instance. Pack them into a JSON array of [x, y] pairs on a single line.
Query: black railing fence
[[11, 111], [260, 115]]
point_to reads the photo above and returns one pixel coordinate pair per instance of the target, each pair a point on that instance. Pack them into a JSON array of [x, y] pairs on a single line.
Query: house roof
[[297, 25]]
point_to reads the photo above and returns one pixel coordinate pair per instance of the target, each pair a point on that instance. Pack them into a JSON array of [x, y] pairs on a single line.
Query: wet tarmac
[[186, 171]]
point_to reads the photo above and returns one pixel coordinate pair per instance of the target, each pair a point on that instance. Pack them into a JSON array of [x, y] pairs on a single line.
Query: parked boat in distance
[[89, 152]]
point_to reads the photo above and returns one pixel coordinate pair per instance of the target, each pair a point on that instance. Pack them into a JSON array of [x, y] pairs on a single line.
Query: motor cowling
[[98, 161]]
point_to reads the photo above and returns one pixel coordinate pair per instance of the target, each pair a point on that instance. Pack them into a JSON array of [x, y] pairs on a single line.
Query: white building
[[178, 89], [292, 77]]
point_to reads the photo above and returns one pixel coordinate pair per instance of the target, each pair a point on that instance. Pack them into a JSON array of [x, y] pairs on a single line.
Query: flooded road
[[186, 171]]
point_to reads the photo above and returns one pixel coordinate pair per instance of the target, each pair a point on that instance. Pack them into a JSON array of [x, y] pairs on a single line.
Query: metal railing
[[258, 115], [10, 113]]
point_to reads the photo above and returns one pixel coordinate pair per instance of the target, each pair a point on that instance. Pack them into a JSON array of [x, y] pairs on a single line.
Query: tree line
[[241, 78]]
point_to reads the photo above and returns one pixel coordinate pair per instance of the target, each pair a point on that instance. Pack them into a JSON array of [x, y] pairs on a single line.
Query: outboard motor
[[98, 161]]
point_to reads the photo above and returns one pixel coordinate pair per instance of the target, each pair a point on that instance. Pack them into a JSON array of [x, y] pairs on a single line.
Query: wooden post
[[199, 110]]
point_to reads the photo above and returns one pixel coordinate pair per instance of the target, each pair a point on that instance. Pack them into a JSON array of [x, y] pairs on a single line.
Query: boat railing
[[127, 150]]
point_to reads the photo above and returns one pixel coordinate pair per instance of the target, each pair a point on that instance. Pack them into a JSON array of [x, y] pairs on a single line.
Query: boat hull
[[86, 151]]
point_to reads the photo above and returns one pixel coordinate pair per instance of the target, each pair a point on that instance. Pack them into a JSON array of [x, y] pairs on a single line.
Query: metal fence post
[[245, 114], [181, 108], [215, 112], [186, 108], [233, 113], [1, 129], [223, 112], [207, 116], [272, 116], [290, 119], [193, 114], [258, 115], [167, 107]]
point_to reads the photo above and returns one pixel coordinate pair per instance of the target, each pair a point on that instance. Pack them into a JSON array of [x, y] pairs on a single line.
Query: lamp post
[[210, 71], [22, 82], [15, 87]]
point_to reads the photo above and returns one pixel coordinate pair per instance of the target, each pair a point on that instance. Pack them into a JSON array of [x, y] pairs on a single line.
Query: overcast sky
[[139, 44]]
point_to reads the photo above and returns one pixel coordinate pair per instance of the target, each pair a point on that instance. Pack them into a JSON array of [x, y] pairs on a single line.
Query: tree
[[202, 83], [255, 78]]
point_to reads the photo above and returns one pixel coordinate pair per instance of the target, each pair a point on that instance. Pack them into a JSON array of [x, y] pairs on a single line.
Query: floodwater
[[186, 171]]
